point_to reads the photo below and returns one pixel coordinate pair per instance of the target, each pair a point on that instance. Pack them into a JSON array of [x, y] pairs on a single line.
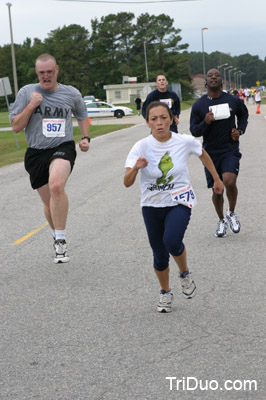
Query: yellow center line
[[19, 241]]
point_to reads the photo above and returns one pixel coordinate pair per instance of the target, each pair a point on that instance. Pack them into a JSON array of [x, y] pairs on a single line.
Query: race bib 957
[[54, 127]]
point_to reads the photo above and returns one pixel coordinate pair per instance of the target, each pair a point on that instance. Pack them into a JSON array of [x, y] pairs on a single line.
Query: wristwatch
[[86, 137], [240, 132]]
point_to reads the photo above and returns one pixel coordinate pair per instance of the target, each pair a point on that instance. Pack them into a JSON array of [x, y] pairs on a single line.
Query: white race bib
[[167, 101], [221, 111], [185, 196], [54, 127]]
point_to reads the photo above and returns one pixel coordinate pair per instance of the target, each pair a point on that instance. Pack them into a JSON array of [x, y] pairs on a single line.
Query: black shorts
[[228, 161], [37, 161]]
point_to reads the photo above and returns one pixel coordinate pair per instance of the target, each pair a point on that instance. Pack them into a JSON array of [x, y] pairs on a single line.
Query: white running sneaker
[[165, 302], [221, 228], [189, 288], [234, 223], [61, 254]]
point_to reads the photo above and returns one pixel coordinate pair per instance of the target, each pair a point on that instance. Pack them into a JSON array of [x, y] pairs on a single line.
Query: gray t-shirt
[[51, 122]]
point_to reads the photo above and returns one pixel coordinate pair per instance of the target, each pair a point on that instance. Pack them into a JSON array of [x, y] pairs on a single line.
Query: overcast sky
[[234, 26]]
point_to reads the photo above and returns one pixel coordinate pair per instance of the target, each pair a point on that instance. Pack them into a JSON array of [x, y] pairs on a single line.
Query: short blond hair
[[45, 57]]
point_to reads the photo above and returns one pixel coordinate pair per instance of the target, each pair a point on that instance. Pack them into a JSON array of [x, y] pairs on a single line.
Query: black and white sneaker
[[221, 228], [61, 254], [189, 288], [234, 223], [165, 302]]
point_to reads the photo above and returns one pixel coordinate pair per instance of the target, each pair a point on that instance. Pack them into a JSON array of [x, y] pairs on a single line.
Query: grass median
[[8, 149]]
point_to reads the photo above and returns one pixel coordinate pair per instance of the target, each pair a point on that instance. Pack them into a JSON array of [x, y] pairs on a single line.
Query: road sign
[[5, 88]]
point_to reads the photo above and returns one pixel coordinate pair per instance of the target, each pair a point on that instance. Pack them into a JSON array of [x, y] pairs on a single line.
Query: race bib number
[[167, 101], [221, 111], [54, 127], [185, 196]]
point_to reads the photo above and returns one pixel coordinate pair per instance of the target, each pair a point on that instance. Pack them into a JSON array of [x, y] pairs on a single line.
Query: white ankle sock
[[60, 235]]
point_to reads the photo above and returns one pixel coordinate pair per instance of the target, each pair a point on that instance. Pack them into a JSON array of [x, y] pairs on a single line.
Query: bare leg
[[53, 194], [163, 277], [229, 180], [181, 261], [58, 175], [218, 202], [45, 196]]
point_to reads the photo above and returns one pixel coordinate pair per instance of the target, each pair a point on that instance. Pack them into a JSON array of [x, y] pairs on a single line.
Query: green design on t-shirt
[[165, 165]]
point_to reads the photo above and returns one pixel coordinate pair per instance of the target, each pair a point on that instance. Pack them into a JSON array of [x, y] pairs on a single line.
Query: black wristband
[[241, 132], [86, 137]]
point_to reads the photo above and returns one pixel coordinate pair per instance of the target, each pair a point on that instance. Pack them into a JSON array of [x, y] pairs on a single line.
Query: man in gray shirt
[[45, 111]]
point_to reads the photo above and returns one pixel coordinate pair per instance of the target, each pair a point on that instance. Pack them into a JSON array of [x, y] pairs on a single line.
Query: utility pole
[[13, 52]]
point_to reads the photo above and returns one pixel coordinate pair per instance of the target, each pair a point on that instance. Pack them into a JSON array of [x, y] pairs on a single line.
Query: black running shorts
[[37, 161], [228, 161]]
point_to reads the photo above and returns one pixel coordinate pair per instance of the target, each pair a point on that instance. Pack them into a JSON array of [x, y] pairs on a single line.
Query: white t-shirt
[[167, 167], [257, 96]]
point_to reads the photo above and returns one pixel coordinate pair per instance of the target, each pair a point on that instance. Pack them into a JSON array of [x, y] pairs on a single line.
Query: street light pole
[[146, 65], [235, 82], [240, 80], [229, 73], [13, 52], [225, 75], [203, 56], [220, 66]]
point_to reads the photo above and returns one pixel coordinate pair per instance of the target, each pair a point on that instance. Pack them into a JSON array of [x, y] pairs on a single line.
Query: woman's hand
[[131, 173], [141, 163]]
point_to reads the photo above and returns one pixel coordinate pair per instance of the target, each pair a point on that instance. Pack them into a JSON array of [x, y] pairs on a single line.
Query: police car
[[102, 109]]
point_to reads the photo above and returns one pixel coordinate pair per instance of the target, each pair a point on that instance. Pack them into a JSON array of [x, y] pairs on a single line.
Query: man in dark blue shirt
[[167, 96], [214, 117]]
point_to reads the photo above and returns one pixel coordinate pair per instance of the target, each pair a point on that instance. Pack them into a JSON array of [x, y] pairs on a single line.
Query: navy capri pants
[[166, 227]]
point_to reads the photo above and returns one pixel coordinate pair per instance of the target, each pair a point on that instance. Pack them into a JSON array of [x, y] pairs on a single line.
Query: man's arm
[[21, 120], [242, 116], [177, 106], [148, 100], [84, 128], [199, 125], [144, 107]]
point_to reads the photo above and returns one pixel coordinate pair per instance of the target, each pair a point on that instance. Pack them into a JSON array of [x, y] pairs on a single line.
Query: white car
[[102, 109]]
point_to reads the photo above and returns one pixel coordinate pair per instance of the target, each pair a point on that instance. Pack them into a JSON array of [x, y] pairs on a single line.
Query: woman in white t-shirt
[[166, 195]]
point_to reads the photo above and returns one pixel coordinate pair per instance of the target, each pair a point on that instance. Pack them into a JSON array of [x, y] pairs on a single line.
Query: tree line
[[115, 47]]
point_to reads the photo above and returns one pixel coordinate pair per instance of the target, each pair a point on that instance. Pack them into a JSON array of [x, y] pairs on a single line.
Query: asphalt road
[[89, 329]]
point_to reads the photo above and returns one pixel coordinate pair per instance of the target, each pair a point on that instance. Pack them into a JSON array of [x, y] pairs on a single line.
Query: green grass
[[10, 155], [4, 119]]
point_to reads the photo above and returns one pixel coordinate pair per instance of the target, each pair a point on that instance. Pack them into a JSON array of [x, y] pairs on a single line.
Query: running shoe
[[221, 228], [234, 223], [61, 254], [189, 289], [165, 302]]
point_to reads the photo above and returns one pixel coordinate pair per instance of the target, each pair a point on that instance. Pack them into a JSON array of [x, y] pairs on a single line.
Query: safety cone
[[258, 109], [89, 121]]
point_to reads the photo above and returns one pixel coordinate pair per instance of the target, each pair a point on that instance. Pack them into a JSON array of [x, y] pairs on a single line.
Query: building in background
[[198, 84], [126, 92]]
